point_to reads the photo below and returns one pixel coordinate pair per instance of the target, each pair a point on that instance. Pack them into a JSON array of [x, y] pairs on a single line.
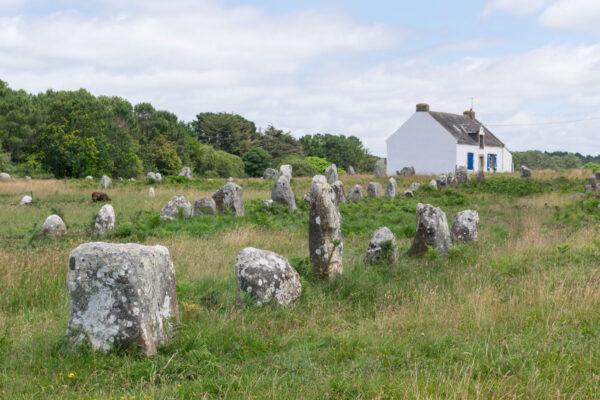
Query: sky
[[531, 68]]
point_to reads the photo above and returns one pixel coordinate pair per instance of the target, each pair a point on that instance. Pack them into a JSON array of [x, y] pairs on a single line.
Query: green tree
[[256, 160], [278, 143], [165, 156], [228, 132]]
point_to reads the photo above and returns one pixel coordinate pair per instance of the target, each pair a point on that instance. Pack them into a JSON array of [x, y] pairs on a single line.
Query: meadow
[[515, 315]]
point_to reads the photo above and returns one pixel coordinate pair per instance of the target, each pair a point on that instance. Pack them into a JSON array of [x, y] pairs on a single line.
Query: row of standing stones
[[123, 295]]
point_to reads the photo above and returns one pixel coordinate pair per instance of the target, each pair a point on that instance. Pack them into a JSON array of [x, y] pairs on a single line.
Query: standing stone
[[267, 204], [306, 197], [433, 184], [525, 172], [480, 176], [26, 201], [28, 178], [593, 182], [450, 179], [462, 176], [105, 182], [286, 170], [171, 210], [356, 193], [230, 179], [350, 171], [4, 176], [374, 189], [324, 230], [442, 181], [331, 173], [407, 171], [186, 171], [597, 175], [105, 221], [408, 193], [588, 189], [282, 193], [131, 179], [382, 235], [151, 175], [413, 187], [121, 295], [229, 196], [270, 173], [464, 227], [338, 188], [54, 226], [158, 177], [379, 169], [267, 276], [151, 192], [89, 178], [391, 189], [432, 230], [204, 206]]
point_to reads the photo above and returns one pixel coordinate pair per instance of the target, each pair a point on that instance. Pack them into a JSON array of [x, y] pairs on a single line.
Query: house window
[[481, 141], [470, 161]]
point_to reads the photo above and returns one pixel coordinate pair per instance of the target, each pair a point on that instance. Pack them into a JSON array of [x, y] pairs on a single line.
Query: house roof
[[465, 129]]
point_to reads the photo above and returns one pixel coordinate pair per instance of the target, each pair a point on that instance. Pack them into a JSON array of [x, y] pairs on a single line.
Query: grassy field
[[516, 315]]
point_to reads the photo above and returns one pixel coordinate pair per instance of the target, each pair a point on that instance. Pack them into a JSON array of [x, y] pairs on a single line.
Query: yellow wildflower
[[71, 374]]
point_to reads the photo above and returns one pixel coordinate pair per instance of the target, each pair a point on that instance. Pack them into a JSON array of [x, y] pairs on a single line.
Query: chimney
[[422, 107], [469, 113]]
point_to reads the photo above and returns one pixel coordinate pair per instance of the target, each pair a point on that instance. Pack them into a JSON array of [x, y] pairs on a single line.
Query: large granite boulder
[[379, 170], [462, 176], [331, 174], [121, 295], [187, 172], [407, 171], [105, 221], [26, 201], [105, 182], [525, 172], [338, 188], [178, 204], [267, 276], [432, 230], [270, 173], [324, 230], [374, 189], [374, 252], [413, 187], [464, 227], [442, 181], [350, 171], [282, 193], [229, 197], [286, 170], [204, 206], [391, 189], [4, 176], [355, 193], [54, 226]]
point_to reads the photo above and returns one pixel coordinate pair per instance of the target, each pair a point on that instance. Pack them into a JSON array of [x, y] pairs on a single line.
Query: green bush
[[300, 166], [256, 160], [319, 163], [592, 166], [212, 163]]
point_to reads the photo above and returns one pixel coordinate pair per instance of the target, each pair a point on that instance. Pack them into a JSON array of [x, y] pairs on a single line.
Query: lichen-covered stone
[[270, 173], [350, 171], [338, 188], [229, 197], [282, 193], [26, 201], [374, 189], [186, 171], [331, 174], [525, 172], [54, 226], [151, 192], [267, 276], [433, 184], [105, 221], [414, 186], [379, 170], [432, 230], [324, 230], [391, 189], [121, 295], [450, 179], [464, 227], [204, 206], [462, 176], [4, 176], [382, 235], [355, 193], [407, 171], [105, 182], [173, 207], [442, 181], [408, 193], [306, 197], [286, 170]]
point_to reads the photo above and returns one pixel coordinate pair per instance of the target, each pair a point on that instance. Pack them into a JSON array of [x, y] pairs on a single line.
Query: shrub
[[592, 166], [319, 163], [212, 163], [256, 160], [300, 166]]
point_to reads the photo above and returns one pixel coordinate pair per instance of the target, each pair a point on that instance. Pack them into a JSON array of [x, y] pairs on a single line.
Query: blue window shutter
[[495, 162], [470, 161], [489, 156]]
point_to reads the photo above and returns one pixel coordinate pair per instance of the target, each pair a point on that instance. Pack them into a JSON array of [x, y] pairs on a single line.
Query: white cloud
[[515, 7], [573, 14]]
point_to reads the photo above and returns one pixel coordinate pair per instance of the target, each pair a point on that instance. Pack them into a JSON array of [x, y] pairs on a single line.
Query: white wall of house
[[421, 142], [507, 161], [503, 157]]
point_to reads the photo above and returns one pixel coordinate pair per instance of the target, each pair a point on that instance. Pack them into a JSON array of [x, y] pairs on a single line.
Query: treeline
[[536, 159], [74, 134]]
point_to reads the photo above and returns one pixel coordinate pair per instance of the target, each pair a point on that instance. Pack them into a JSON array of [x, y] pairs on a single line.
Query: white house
[[437, 142]]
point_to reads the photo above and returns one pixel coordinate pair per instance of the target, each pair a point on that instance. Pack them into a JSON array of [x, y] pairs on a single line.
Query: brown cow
[[97, 196]]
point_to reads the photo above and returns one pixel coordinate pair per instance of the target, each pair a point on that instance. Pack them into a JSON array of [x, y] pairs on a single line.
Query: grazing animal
[[100, 196]]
